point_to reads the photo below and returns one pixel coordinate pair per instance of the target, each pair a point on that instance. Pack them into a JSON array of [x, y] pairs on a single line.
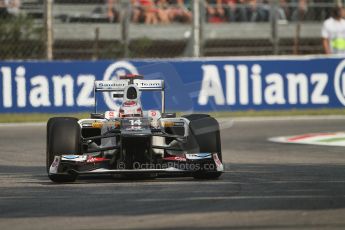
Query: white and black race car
[[131, 142]]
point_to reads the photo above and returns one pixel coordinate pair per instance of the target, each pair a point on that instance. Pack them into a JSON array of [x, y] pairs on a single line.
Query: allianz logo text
[[220, 85], [245, 85], [35, 91]]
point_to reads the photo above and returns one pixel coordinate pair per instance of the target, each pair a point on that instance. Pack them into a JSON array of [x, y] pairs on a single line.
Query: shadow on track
[[247, 187]]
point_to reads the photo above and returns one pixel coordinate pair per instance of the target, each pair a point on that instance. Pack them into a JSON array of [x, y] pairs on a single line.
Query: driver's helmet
[[131, 105]]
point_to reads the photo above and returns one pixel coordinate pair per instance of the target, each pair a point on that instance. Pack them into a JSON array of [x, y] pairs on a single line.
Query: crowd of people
[[216, 11], [161, 11], [260, 10]]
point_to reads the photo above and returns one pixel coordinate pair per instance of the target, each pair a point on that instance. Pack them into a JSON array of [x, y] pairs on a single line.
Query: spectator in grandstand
[[237, 10], [258, 10], [333, 32], [3, 10], [300, 13], [112, 11], [9, 8], [215, 11], [181, 10], [149, 10], [163, 11], [322, 9], [13, 6], [283, 10], [137, 11], [230, 9]]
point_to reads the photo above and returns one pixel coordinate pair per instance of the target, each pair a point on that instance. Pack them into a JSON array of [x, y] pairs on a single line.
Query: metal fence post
[[274, 26], [48, 22], [96, 45], [125, 23], [196, 28], [202, 22]]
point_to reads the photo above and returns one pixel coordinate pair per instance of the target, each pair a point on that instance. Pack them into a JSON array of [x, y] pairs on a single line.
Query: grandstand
[[84, 29]]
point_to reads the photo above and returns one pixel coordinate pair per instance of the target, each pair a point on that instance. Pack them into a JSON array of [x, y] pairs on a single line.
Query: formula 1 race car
[[131, 142]]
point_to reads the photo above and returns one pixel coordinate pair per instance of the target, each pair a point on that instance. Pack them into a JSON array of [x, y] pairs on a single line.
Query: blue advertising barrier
[[191, 85]]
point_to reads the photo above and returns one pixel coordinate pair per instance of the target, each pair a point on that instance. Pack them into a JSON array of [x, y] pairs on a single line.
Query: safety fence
[[109, 29]]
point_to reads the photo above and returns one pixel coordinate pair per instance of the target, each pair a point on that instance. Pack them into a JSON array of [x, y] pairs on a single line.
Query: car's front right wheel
[[205, 138]]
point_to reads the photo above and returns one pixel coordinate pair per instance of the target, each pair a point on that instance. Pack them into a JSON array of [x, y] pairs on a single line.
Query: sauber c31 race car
[[131, 142]]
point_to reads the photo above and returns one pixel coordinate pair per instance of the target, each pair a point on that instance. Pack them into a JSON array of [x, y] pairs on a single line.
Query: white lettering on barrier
[[295, 82], [230, 84], [243, 78], [60, 83], [85, 97], [274, 92], [21, 86], [211, 86], [320, 81], [6, 86], [39, 94], [251, 87], [339, 79], [257, 84]]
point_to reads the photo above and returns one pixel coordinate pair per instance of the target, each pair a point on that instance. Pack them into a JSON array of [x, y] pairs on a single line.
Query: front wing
[[186, 164]]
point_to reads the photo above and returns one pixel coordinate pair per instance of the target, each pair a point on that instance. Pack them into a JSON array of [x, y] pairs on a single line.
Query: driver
[[131, 105]]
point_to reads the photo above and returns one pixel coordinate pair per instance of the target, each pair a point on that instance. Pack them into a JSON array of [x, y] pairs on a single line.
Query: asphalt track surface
[[267, 186]]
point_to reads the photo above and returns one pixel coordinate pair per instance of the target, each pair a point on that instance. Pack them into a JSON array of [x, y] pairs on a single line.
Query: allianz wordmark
[[203, 85]]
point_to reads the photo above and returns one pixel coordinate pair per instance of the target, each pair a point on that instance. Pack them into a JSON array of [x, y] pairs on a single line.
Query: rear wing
[[118, 86]]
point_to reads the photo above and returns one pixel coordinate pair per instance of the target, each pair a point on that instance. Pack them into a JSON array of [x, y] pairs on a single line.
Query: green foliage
[[20, 38]]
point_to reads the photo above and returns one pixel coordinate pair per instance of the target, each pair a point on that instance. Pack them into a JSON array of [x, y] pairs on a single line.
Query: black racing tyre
[[195, 116], [63, 137], [49, 128], [205, 134]]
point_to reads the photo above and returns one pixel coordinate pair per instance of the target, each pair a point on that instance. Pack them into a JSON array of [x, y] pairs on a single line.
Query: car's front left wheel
[[63, 138]]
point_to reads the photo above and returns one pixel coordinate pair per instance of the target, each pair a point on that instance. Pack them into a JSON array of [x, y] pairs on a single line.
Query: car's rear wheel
[[63, 138]]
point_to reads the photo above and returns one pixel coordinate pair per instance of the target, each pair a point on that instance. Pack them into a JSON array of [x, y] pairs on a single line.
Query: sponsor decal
[[119, 84], [219, 164], [206, 85], [339, 82], [330, 139], [111, 114], [91, 159], [149, 84], [77, 158], [246, 85], [55, 165], [42, 91], [153, 113], [175, 158], [198, 156]]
